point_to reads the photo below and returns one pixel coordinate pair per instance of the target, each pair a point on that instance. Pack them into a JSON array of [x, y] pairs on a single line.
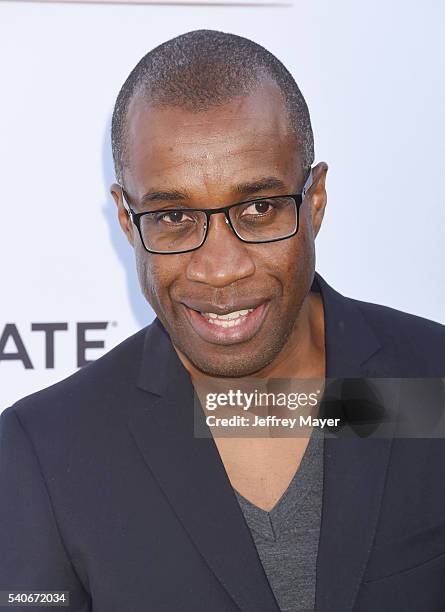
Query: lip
[[216, 334], [222, 309]]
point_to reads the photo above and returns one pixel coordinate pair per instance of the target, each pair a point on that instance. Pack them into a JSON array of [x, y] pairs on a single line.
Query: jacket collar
[[191, 474], [349, 341]]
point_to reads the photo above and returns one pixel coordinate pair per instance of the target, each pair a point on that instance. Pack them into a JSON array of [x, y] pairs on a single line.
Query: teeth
[[230, 315], [227, 320]]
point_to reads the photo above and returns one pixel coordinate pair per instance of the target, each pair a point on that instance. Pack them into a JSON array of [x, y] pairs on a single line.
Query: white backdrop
[[372, 73]]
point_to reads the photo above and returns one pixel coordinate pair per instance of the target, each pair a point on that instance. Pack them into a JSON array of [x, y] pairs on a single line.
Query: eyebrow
[[262, 184], [242, 189], [163, 196]]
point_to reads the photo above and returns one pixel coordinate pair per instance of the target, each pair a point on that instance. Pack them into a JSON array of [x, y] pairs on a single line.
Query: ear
[[123, 216], [317, 195]]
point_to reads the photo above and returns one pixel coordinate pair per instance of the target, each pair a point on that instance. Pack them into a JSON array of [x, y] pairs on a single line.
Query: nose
[[223, 258]]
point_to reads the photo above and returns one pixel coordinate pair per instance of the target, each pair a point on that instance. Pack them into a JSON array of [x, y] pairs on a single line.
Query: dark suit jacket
[[106, 493]]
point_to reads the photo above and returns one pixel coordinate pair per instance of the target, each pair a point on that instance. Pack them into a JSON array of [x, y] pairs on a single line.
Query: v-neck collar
[[272, 524]]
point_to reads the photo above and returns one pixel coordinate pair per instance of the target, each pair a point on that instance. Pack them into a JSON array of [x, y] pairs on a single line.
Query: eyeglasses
[[180, 230]]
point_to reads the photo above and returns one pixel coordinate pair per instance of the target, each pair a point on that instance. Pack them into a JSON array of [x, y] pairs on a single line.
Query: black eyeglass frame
[[297, 198]]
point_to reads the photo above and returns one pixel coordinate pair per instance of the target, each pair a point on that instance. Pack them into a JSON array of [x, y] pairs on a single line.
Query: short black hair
[[202, 69]]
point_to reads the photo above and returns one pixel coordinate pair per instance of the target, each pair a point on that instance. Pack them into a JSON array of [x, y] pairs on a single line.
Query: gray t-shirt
[[287, 537]]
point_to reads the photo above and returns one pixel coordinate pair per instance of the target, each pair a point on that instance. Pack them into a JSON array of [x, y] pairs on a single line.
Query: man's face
[[239, 151]]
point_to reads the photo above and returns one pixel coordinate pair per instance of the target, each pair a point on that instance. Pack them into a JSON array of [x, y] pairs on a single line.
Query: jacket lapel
[[192, 476], [354, 468]]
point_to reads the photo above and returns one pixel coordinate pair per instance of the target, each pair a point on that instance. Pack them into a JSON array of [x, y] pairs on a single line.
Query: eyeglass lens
[[181, 230]]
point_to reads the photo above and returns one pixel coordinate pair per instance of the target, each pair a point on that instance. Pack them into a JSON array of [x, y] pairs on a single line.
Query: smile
[[227, 328]]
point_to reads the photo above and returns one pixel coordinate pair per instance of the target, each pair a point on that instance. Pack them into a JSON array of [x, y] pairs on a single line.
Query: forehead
[[249, 135]]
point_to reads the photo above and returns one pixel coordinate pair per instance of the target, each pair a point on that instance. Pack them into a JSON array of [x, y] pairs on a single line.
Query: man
[[107, 491]]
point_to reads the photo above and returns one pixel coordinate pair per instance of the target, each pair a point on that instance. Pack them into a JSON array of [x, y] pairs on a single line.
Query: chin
[[236, 360], [235, 365]]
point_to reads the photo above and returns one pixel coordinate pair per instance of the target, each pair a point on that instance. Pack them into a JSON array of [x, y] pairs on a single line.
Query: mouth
[[227, 327]]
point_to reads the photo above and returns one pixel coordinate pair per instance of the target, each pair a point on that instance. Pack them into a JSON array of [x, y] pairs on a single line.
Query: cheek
[[156, 274], [304, 252], [148, 275], [293, 263]]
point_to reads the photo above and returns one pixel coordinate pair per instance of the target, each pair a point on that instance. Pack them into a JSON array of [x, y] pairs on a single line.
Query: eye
[[173, 217], [261, 207]]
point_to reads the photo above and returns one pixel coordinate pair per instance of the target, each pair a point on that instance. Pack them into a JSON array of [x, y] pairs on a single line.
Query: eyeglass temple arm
[[124, 200], [308, 183]]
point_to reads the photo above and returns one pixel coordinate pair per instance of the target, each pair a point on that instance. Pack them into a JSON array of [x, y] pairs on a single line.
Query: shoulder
[[411, 339], [87, 390], [407, 343], [389, 321]]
